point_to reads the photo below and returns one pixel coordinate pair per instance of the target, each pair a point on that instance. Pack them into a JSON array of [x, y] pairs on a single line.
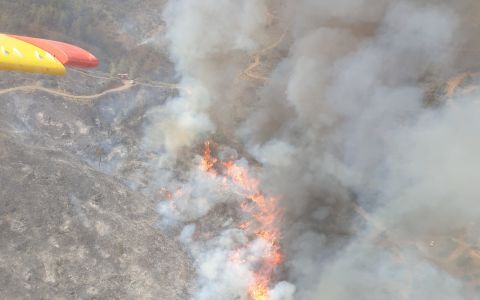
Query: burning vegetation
[[371, 170], [261, 220]]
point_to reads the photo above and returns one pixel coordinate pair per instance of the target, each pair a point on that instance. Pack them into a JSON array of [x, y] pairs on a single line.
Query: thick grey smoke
[[371, 178]]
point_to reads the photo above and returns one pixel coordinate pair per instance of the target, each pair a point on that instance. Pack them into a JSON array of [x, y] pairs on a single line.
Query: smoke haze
[[325, 101]]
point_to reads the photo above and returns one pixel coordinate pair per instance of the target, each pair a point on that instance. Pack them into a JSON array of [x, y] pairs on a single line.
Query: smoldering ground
[[328, 97]]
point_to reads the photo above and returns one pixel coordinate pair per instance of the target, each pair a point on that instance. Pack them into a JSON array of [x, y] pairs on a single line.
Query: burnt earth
[[70, 226]]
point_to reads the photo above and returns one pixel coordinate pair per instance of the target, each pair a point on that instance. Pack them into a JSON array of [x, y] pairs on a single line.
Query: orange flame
[[260, 290], [262, 213], [207, 164]]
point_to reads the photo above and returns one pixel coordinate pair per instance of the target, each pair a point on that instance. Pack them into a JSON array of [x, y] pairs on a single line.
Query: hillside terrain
[[71, 226], [124, 35], [256, 149]]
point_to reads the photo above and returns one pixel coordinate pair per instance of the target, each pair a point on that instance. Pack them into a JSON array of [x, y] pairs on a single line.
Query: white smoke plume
[[373, 180]]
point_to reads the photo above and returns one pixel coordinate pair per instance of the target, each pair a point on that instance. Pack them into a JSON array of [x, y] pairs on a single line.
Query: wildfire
[[260, 290], [207, 162], [262, 216]]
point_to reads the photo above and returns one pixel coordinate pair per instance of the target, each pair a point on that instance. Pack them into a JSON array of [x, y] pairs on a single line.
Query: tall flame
[[262, 214], [207, 162]]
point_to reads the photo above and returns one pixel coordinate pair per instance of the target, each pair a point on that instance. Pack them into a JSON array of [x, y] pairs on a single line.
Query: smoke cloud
[[327, 102]]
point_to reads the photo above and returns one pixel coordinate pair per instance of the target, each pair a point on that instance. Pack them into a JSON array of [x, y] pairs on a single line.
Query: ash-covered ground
[[73, 224], [70, 225]]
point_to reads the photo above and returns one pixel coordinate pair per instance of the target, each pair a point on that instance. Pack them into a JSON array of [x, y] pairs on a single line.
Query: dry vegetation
[[115, 31]]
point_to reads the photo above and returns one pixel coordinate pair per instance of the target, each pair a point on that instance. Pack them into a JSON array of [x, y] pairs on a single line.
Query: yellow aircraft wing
[[17, 55]]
